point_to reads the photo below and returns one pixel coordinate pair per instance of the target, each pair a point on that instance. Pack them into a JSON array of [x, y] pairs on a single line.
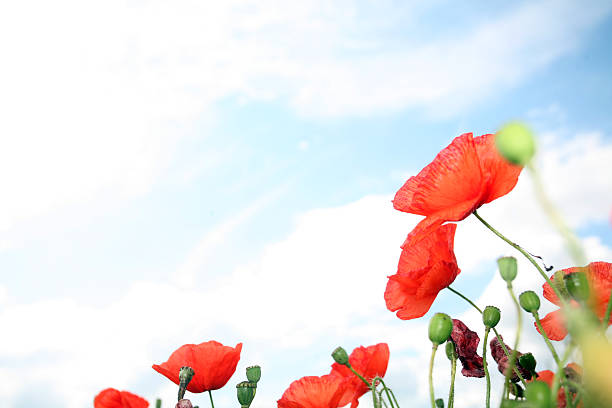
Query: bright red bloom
[[370, 362], [314, 392], [212, 362], [426, 266], [465, 175], [599, 275], [112, 398], [572, 371]]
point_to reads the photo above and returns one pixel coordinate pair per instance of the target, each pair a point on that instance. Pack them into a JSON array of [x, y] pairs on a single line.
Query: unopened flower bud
[[490, 316], [184, 403], [440, 328], [528, 362], [507, 268], [577, 285], [529, 301], [253, 373], [340, 356], [185, 376], [451, 352], [245, 392], [515, 143], [538, 394]]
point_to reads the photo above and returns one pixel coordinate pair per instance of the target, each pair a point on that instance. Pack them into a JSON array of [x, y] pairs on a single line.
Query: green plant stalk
[[158, 403], [387, 390], [559, 373], [434, 347], [372, 387], [451, 391], [522, 251], [606, 319], [486, 369], [512, 360], [506, 352], [536, 316], [212, 404]]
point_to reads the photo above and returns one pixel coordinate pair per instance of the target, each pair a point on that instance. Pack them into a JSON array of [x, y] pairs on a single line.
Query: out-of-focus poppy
[[426, 266], [212, 362], [112, 398], [572, 372], [464, 175], [503, 362], [314, 392], [466, 343], [370, 362], [599, 276]]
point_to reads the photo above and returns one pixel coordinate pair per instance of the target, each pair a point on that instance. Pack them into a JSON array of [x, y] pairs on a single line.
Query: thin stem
[[372, 387], [212, 404], [388, 391], [512, 359], [451, 391], [606, 320], [499, 339], [536, 316], [434, 347], [158, 403], [560, 372], [525, 253], [486, 369]]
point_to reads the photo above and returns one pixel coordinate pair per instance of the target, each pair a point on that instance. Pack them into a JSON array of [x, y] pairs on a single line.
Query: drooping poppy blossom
[[572, 372], [599, 276], [112, 398], [314, 392], [370, 362], [426, 266], [212, 362], [466, 343], [464, 175], [503, 362]]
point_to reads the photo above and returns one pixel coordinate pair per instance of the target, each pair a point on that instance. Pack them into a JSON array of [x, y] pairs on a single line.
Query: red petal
[[500, 176], [112, 398], [554, 326], [313, 392]]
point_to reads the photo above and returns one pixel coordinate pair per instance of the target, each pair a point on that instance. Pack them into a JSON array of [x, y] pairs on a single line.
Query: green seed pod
[[185, 376], [340, 356], [245, 391], [253, 373], [538, 395], [440, 328], [507, 268], [451, 352], [515, 143], [577, 285], [528, 362], [439, 403], [529, 301], [490, 316]]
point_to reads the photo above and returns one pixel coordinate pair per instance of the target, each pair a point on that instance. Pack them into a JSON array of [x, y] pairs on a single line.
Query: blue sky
[[152, 153]]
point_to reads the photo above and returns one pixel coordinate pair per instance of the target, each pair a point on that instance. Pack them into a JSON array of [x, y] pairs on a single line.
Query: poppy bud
[[245, 392], [184, 403], [508, 403], [577, 285], [507, 268], [538, 394], [185, 376], [340, 356], [515, 143], [440, 328], [529, 301], [490, 316], [451, 352], [528, 362], [253, 373]]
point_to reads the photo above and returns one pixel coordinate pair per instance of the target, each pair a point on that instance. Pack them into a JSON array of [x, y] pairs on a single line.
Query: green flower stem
[[561, 373], [451, 391], [486, 369], [212, 404], [536, 316], [372, 386], [606, 318], [381, 399], [512, 360], [526, 254], [360, 376], [503, 345], [387, 390], [434, 347]]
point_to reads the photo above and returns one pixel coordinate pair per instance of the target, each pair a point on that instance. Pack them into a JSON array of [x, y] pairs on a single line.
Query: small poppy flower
[[426, 266], [503, 362], [212, 362], [466, 343], [314, 392], [572, 372], [599, 276], [464, 175], [112, 398], [368, 361]]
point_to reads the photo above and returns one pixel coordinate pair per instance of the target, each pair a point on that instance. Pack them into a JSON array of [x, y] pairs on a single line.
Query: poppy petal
[[554, 326]]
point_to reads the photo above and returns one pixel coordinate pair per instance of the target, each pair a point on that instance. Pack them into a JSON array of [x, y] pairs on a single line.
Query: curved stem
[[388, 391], [560, 372], [525, 253], [464, 298], [536, 316], [451, 391], [434, 347], [372, 386], [512, 360], [212, 404], [486, 369]]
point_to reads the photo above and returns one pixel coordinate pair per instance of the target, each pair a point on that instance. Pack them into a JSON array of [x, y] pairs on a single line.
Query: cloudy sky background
[[178, 172]]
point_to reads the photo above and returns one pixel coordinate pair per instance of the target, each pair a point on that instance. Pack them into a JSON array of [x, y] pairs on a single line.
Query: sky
[[178, 172]]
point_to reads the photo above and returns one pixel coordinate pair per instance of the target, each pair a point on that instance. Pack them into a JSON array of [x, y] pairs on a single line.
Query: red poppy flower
[[572, 371], [426, 266], [314, 392], [370, 362], [465, 175], [599, 275], [112, 398], [212, 362]]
